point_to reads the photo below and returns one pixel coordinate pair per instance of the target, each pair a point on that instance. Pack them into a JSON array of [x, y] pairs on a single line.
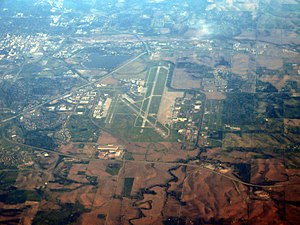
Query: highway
[[73, 90], [196, 166]]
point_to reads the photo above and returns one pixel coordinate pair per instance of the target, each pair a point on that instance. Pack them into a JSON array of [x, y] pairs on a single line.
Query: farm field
[[150, 112]]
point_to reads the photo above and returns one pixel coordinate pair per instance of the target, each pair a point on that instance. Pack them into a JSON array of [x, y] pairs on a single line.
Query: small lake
[[108, 62]]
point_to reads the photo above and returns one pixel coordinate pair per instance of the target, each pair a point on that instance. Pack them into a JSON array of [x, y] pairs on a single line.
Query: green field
[[125, 123], [213, 120], [155, 103], [8, 179], [161, 82], [67, 214], [150, 82], [128, 183], [20, 196], [145, 104], [156, 82], [138, 122], [113, 168], [82, 129]]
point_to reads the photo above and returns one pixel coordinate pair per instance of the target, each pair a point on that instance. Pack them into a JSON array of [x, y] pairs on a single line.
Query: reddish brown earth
[[279, 81], [292, 122], [264, 170], [91, 218], [265, 209], [224, 156], [109, 80], [210, 195], [153, 214], [84, 195], [240, 64], [108, 139], [70, 148], [183, 80], [57, 186], [256, 140], [144, 174], [215, 95], [30, 180], [168, 152], [27, 213], [114, 215]]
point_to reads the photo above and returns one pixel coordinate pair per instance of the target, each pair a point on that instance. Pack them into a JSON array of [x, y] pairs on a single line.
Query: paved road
[[72, 91], [198, 167]]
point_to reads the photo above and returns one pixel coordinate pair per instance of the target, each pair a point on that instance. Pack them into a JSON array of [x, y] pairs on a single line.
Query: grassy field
[[138, 122], [161, 81], [135, 70], [8, 179], [213, 120], [113, 168], [82, 129], [145, 104], [156, 82], [128, 183], [151, 75], [155, 103], [124, 125], [291, 108]]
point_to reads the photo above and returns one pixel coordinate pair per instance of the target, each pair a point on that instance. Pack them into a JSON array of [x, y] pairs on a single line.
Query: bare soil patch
[[57, 186], [278, 81], [265, 209], [108, 139], [207, 195], [165, 110], [270, 62], [168, 152], [97, 168], [268, 170], [109, 81], [104, 193], [29, 180], [85, 195], [153, 215], [216, 95], [183, 80], [225, 156], [263, 141], [70, 148], [91, 218], [292, 122], [114, 215], [144, 174], [137, 147], [240, 64]]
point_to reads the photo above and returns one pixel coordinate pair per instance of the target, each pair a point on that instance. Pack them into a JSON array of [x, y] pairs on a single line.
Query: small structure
[[110, 152]]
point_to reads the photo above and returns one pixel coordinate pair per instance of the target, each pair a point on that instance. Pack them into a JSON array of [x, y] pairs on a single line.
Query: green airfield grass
[[82, 129], [157, 89], [128, 124], [155, 103], [161, 82]]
